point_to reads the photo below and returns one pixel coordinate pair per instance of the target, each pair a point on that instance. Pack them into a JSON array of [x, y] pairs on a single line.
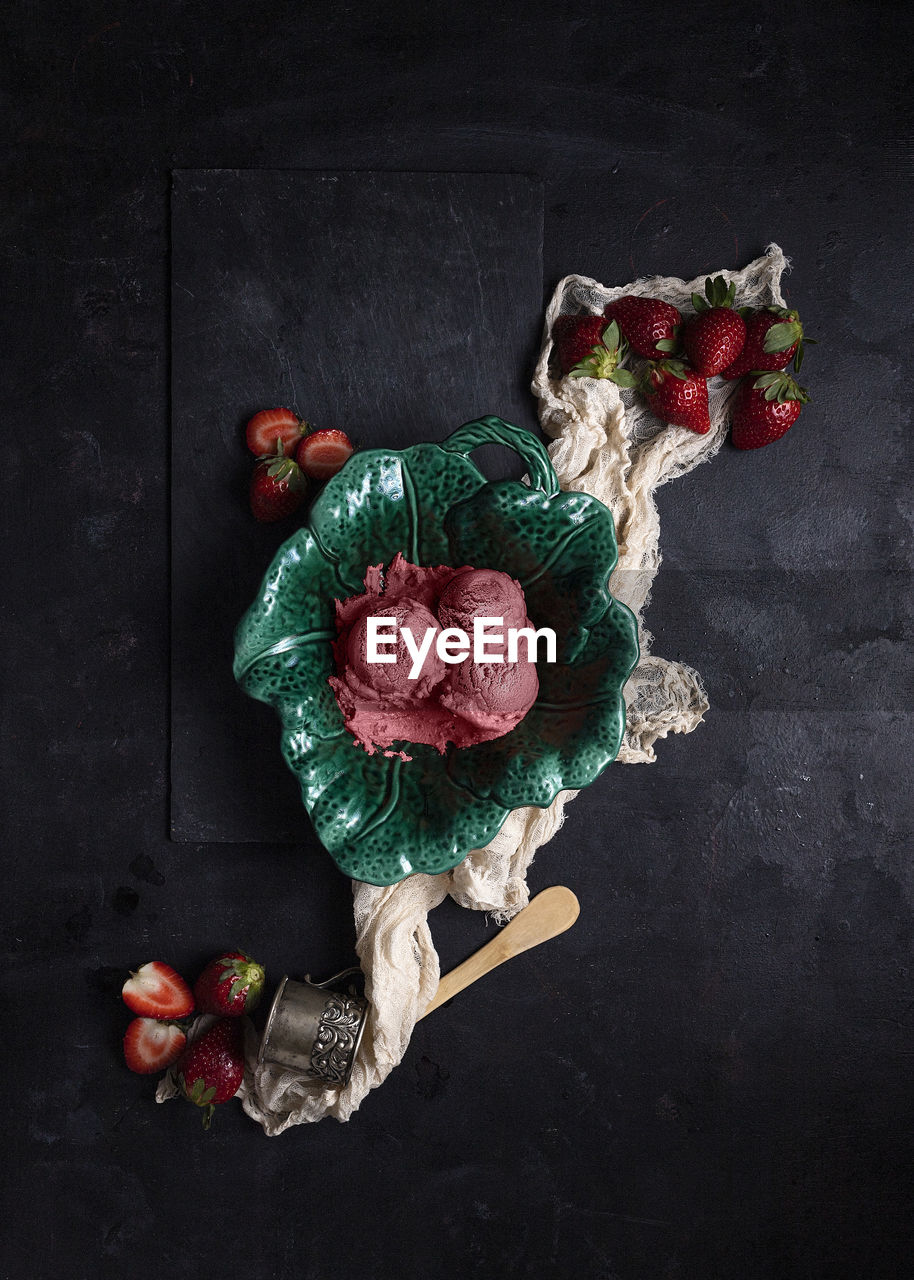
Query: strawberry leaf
[[781, 387], [611, 337], [781, 336], [666, 344], [195, 1092], [718, 293], [623, 378], [768, 380], [801, 352]]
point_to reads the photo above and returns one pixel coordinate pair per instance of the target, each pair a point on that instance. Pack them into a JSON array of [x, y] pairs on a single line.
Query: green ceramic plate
[[383, 819]]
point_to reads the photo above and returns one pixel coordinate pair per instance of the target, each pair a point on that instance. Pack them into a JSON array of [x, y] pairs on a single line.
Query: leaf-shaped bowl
[[383, 819]]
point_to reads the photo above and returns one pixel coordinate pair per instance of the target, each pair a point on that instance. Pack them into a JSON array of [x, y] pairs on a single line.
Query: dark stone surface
[[710, 1074], [395, 306]]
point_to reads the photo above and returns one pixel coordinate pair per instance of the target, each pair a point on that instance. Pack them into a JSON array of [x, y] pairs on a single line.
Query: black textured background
[[710, 1075], [394, 305]]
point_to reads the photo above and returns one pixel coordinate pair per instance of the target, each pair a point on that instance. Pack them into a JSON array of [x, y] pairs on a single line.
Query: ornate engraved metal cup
[[315, 1030]]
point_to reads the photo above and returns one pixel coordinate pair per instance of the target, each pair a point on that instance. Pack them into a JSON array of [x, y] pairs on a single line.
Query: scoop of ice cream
[[491, 695], [481, 593], [392, 679]]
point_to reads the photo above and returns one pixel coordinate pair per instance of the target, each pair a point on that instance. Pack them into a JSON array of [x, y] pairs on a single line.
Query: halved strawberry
[[322, 453], [155, 990], [270, 425], [151, 1046]]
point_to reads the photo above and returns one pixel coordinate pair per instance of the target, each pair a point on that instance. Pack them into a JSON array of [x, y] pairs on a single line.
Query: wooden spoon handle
[[547, 915]]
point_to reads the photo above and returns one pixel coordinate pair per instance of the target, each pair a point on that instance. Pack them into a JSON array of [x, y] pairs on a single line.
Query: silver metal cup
[[315, 1030]]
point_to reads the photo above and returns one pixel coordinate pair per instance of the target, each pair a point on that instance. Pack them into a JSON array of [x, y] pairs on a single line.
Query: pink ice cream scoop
[[481, 593], [392, 679], [492, 695]]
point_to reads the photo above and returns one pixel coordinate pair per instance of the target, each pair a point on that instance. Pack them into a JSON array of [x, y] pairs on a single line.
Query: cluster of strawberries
[[289, 453], [752, 344], [211, 1069]]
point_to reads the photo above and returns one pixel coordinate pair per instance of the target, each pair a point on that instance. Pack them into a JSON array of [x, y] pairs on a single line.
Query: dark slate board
[[394, 305]]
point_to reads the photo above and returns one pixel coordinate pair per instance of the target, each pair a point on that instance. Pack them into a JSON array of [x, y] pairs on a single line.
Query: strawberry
[[678, 394], [575, 338], [715, 336], [230, 985], [774, 337], [601, 359], [323, 453], [211, 1069], [155, 990], [151, 1046], [764, 407], [271, 425], [277, 487], [649, 325]]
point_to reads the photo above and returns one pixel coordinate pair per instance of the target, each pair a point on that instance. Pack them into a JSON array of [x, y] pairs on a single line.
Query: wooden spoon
[[547, 915]]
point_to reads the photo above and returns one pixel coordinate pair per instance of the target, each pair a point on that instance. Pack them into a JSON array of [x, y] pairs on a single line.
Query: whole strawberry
[[764, 407], [575, 337], [716, 335], [678, 395], [211, 1070], [774, 337], [230, 985], [277, 487], [649, 325], [602, 358]]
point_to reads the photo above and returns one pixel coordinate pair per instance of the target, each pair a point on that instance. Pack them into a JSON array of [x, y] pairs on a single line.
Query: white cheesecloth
[[605, 442]]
